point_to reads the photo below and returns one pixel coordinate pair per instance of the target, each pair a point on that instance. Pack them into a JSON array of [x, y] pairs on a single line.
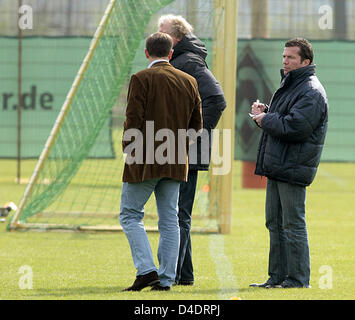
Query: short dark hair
[[159, 44], [306, 50]]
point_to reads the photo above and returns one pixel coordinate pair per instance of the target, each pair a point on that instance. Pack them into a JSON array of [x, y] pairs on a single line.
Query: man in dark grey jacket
[[189, 56], [294, 129]]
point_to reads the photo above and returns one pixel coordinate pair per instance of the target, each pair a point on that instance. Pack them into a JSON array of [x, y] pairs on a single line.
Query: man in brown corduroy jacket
[[163, 108]]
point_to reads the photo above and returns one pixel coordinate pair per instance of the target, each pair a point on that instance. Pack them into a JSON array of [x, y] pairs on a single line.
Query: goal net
[[72, 186]]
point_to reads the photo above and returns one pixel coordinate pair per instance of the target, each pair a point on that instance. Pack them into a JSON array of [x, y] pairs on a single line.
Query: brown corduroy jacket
[[163, 103]]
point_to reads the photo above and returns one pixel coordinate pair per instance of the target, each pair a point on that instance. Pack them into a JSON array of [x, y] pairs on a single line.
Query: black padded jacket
[[190, 56], [294, 129]]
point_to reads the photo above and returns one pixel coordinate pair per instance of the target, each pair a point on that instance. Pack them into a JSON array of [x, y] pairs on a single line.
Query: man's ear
[[170, 54], [146, 53], [306, 62]]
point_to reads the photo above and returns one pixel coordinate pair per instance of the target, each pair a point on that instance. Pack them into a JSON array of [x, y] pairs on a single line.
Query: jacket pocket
[[276, 151]]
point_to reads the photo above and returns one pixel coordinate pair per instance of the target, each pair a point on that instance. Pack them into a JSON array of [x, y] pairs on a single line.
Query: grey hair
[[178, 25]]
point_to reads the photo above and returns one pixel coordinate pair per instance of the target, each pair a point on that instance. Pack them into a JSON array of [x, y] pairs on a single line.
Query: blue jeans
[[285, 219], [133, 198]]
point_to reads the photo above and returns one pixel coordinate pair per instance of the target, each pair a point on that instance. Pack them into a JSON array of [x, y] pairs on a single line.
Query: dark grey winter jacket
[[294, 129], [189, 56]]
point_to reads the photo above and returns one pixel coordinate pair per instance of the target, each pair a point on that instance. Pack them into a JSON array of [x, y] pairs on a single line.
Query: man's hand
[[258, 118], [257, 107]]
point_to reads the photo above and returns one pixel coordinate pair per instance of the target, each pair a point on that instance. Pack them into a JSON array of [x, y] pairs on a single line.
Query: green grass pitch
[[98, 266]]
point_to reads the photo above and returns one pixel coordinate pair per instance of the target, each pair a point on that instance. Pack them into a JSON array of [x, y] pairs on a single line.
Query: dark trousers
[[285, 219], [184, 270]]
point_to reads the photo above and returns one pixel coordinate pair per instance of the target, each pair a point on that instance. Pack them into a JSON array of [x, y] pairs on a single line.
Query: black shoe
[[141, 282], [184, 283], [267, 285], [158, 287], [289, 285]]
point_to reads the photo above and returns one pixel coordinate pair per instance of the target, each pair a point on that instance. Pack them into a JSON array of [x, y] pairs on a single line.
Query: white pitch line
[[224, 271], [332, 177]]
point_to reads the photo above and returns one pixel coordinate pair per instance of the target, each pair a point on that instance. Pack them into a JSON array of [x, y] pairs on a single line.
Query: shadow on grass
[[80, 291], [184, 292]]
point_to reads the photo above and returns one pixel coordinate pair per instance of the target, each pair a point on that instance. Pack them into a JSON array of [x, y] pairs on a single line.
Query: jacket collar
[[298, 74], [158, 62], [190, 43]]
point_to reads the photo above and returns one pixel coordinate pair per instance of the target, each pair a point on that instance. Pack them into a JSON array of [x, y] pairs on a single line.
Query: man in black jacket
[[189, 56], [294, 129]]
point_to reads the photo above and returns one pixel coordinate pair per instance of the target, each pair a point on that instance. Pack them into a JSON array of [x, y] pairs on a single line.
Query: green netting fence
[[73, 185]]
